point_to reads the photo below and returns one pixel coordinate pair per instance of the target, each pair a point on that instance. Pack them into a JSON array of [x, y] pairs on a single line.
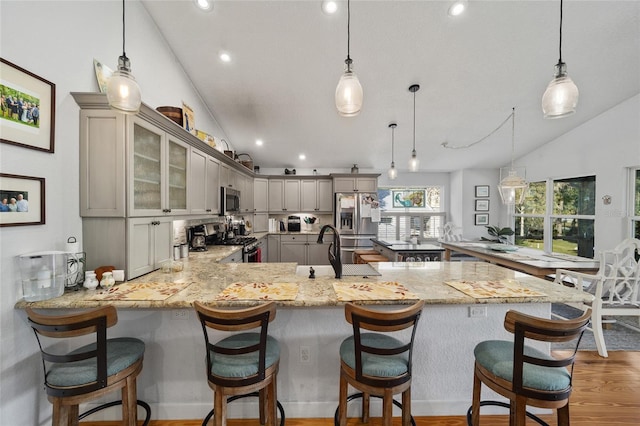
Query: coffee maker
[[197, 238]]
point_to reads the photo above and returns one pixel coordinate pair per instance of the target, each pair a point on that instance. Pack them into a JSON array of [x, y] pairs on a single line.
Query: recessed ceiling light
[[225, 57], [206, 5], [457, 8], [259, 142], [302, 157], [329, 7]]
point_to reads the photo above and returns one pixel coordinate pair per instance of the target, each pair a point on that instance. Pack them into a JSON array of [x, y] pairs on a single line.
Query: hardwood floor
[[606, 392]]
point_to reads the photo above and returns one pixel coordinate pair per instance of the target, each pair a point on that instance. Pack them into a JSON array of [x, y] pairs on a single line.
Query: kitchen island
[[173, 382]]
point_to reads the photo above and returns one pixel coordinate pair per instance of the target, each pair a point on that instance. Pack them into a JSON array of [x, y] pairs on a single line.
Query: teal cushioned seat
[[243, 365], [497, 357], [376, 365], [122, 352]]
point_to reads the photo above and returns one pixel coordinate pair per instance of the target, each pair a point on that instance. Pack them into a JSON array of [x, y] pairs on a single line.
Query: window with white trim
[[558, 216], [411, 212]]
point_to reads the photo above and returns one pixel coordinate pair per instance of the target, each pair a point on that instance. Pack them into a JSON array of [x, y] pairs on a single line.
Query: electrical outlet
[[180, 314], [477, 311], [305, 355]]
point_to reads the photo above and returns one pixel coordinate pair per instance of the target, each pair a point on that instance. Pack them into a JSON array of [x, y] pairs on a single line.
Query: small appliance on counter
[[293, 224], [197, 238]]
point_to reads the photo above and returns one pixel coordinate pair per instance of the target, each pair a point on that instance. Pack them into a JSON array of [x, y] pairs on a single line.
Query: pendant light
[[413, 161], [561, 97], [123, 92], [393, 173], [512, 183], [348, 96]]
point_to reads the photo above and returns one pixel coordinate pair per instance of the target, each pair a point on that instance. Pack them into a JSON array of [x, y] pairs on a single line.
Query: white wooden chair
[[615, 287]]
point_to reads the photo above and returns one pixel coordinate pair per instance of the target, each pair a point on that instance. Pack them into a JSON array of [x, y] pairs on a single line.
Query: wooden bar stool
[[90, 371], [366, 258], [358, 253], [523, 374], [241, 364], [379, 363]]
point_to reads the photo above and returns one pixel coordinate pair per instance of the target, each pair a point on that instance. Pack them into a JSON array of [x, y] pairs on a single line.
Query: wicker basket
[[247, 163], [172, 113]]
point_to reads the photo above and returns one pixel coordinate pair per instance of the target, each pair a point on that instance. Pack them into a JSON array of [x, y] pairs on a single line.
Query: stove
[[250, 247], [237, 241]]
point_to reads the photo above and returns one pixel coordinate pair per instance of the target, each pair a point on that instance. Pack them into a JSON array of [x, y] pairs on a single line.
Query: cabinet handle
[[208, 210]]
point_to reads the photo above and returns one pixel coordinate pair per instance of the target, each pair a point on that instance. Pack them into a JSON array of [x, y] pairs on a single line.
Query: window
[[530, 217], [558, 216], [573, 218], [410, 212]]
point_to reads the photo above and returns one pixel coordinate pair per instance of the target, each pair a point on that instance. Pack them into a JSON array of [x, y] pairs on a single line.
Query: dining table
[[528, 260]]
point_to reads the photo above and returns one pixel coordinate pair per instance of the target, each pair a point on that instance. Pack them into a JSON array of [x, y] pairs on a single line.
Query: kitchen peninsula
[[172, 378]]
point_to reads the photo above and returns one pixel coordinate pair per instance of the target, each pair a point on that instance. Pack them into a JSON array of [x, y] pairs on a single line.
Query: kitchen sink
[[348, 269]]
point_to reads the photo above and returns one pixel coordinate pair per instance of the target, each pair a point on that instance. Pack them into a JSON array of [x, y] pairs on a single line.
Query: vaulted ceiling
[[287, 58]]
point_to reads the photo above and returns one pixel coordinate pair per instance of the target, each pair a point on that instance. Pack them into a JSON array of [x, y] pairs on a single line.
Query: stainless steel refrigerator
[[353, 218]]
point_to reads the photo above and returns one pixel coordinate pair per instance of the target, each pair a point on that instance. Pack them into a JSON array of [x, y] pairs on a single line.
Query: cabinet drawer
[[293, 238]]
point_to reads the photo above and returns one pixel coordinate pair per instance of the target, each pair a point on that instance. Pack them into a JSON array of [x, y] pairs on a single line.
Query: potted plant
[[500, 234]]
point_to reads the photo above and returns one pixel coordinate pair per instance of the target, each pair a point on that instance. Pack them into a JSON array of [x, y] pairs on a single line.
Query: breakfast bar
[[157, 308]]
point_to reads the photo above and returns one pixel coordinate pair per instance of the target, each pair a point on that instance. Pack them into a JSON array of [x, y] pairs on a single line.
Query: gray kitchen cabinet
[[149, 244], [316, 195], [303, 249], [284, 195], [212, 203], [204, 190], [245, 185], [158, 172], [260, 222], [260, 195], [351, 183], [102, 164], [233, 258], [273, 248]]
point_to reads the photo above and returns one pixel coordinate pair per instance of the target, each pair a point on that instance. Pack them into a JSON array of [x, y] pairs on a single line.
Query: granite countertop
[[204, 279]]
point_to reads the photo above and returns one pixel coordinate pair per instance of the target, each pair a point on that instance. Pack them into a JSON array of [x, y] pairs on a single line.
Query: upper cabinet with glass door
[[158, 172]]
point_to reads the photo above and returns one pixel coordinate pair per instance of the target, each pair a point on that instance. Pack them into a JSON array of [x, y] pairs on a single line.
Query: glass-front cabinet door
[[146, 192], [158, 167], [177, 176]]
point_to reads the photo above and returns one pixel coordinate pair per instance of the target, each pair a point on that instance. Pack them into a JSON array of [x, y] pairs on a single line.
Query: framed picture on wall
[[482, 219], [21, 200], [28, 104], [482, 191], [482, 205]]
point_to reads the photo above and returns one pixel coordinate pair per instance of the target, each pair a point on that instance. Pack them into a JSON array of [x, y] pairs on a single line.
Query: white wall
[[605, 147], [58, 41]]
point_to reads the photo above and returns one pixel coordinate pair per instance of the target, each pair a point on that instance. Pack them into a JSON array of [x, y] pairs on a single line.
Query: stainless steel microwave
[[230, 200]]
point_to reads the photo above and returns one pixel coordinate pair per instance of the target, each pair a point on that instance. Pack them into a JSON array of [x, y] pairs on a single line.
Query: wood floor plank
[[606, 392]]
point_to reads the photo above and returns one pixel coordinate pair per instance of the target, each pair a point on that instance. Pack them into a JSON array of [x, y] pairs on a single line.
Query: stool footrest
[[505, 405], [234, 397], [141, 403], [336, 421]]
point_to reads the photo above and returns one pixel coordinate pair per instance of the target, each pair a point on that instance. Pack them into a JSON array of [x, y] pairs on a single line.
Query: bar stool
[[379, 363], [241, 364], [92, 370], [523, 374]]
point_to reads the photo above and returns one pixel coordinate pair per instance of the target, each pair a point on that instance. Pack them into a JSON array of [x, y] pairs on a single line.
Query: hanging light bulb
[[512, 183], [457, 8], [393, 173], [348, 95], [561, 97], [414, 163], [123, 92]]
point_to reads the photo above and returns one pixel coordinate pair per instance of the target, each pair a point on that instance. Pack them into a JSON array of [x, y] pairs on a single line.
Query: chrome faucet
[[334, 249]]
